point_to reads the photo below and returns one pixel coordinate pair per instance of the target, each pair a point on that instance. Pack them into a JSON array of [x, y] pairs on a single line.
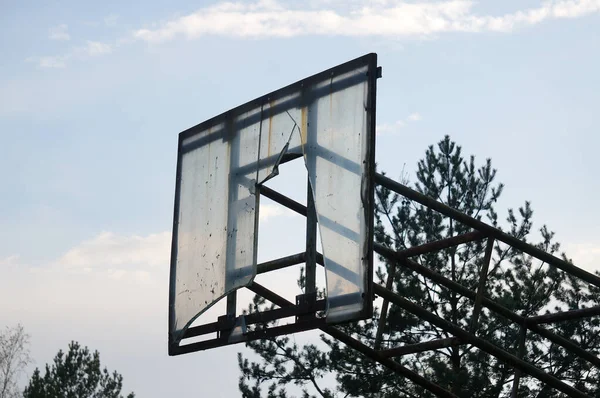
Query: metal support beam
[[387, 362], [253, 335], [499, 309], [486, 229], [415, 251], [280, 263], [420, 347], [521, 353], [389, 284], [360, 347], [564, 316], [283, 200], [311, 242], [480, 343], [232, 304], [482, 280], [442, 244], [438, 278]]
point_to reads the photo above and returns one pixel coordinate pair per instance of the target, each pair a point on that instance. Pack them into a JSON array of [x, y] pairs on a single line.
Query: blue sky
[[93, 95]]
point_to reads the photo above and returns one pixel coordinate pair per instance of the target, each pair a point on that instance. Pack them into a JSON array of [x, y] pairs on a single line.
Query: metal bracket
[[308, 303]]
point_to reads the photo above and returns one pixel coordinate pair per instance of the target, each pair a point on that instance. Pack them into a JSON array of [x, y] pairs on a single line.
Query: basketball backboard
[[328, 120]]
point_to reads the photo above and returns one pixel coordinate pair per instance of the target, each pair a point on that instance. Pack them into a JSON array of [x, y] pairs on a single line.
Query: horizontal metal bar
[[436, 277], [208, 328], [564, 315], [420, 347], [566, 343], [271, 161], [283, 200], [486, 302], [285, 312], [442, 244], [360, 347], [301, 209], [256, 317], [486, 229], [249, 336], [280, 263], [320, 259], [478, 342], [299, 88], [387, 362]]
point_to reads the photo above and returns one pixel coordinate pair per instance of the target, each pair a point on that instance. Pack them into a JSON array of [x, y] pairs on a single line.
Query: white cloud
[[414, 117], [95, 48], [9, 261], [390, 18], [59, 32], [91, 49], [50, 62], [107, 278], [266, 211], [107, 251], [110, 257], [389, 128], [392, 128]]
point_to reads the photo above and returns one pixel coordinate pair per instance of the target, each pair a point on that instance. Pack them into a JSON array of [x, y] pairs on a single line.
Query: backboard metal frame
[[307, 308]]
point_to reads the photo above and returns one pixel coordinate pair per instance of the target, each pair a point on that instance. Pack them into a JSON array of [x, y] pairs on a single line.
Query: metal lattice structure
[[231, 328]]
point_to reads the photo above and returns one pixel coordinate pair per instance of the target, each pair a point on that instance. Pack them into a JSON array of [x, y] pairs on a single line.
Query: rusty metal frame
[[305, 310], [527, 324], [307, 307], [306, 319]]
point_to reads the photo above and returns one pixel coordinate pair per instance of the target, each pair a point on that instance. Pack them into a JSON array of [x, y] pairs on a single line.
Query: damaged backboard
[[328, 120]]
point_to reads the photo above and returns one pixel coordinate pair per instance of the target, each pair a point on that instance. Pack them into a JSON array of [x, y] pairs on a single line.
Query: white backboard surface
[[329, 119]]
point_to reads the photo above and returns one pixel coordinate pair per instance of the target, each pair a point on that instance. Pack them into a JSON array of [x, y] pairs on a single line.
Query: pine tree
[[76, 374], [515, 280]]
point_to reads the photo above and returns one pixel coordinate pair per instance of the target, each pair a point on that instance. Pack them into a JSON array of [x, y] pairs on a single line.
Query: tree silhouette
[[75, 374], [515, 280]]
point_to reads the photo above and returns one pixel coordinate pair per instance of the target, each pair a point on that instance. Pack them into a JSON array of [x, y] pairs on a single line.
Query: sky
[[93, 95]]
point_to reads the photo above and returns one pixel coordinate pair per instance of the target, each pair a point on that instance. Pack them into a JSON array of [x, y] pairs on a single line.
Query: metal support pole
[[482, 280], [389, 284], [442, 244], [283, 200], [281, 263], [521, 354], [564, 316], [231, 304], [311, 242], [420, 347]]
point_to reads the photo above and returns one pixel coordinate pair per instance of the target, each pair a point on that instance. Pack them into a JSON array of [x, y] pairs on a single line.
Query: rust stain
[[304, 127]]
